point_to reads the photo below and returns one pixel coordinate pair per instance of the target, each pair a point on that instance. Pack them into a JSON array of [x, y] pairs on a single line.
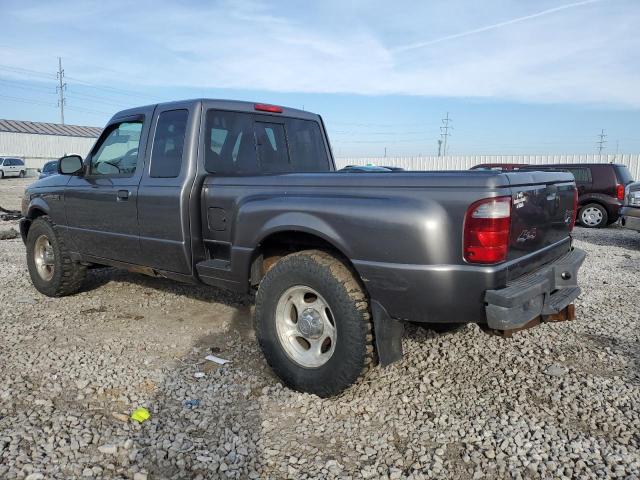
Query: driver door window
[[117, 155]]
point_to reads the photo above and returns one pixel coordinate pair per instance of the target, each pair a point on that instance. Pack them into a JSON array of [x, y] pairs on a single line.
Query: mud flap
[[388, 334]]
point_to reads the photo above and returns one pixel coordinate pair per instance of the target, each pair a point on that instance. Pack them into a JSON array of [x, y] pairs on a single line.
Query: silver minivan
[[12, 167]]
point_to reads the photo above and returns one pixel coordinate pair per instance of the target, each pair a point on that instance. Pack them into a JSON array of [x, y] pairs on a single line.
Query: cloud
[[581, 52]]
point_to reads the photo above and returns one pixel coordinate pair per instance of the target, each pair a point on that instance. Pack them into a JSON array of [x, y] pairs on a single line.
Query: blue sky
[[521, 76]]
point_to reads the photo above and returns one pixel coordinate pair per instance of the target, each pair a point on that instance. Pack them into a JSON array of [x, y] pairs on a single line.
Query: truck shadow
[[99, 277]]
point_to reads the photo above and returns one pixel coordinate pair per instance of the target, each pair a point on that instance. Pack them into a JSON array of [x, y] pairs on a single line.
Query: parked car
[[600, 187], [630, 212], [502, 167], [48, 169], [12, 167], [246, 196]]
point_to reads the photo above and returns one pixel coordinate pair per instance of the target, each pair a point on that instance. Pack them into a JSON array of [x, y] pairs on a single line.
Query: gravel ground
[[558, 401]]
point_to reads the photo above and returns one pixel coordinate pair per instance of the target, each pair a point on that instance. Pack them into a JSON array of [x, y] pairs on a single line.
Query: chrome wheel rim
[[44, 258], [591, 216], [305, 326]]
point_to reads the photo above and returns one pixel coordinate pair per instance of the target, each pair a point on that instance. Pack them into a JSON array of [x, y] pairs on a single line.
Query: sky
[[515, 76]]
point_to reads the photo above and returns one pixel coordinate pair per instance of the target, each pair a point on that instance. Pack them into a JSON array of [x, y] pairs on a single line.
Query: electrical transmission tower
[[62, 86], [445, 134], [601, 142]]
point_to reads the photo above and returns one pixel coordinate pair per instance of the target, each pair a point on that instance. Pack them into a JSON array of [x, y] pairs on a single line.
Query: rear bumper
[[546, 291], [630, 218]]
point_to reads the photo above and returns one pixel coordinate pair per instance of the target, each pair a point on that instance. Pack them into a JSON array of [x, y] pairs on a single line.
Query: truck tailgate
[[542, 212]]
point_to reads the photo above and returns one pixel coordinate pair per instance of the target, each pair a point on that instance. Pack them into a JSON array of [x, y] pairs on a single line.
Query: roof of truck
[[222, 104]]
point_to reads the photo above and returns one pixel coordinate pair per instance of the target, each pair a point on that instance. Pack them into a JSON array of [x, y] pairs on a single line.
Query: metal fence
[[464, 162]]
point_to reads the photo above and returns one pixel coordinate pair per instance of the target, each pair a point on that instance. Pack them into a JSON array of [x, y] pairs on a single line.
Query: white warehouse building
[[37, 142]]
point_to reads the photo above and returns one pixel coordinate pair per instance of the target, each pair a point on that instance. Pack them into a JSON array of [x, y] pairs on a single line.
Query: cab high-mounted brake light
[[486, 230], [263, 107]]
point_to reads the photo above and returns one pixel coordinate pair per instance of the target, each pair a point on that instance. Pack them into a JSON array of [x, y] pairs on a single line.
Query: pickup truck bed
[[245, 196]]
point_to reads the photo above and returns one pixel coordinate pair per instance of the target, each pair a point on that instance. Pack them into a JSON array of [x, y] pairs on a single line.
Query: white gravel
[[559, 401]]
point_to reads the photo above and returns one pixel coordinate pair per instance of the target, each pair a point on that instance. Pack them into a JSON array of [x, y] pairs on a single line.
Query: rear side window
[[582, 175], [306, 146], [168, 144], [230, 147], [624, 175]]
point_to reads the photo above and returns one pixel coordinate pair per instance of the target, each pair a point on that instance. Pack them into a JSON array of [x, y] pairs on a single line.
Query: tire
[[1, 173], [57, 275], [22, 173], [315, 279], [593, 215]]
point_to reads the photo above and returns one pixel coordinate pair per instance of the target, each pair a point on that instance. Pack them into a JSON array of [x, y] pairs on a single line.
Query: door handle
[[123, 195]]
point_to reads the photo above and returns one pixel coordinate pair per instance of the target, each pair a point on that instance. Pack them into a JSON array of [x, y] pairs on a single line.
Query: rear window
[[243, 144], [623, 173], [306, 146], [230, 147]]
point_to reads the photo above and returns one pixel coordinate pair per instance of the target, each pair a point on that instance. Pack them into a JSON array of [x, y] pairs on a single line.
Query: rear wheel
[[22, 173], [593, 215], [313, 323], [52, 271]]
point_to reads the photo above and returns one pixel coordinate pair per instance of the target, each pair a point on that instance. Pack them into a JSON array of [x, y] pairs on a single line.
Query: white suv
[[12, 167]]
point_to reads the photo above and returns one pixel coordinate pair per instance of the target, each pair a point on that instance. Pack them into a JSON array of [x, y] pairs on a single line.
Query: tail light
[[486, 230], [263, 107], [620, 192], [572, 223]]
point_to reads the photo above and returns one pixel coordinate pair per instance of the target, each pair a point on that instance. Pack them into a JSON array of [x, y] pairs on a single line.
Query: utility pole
[[601, 143], [439, 147], [385, 152], [62, 86], [445, 133]]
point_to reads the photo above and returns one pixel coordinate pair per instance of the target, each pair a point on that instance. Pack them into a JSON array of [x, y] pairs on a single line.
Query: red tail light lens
[[575, 210], [486, 230], [620, 192], [263, 107]]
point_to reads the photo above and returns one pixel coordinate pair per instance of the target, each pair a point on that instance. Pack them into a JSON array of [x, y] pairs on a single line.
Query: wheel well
[[32, 215], [277, 245], [590, 201]]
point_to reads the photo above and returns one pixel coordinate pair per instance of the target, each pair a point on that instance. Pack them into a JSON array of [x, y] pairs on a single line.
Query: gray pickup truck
[[247, 197]]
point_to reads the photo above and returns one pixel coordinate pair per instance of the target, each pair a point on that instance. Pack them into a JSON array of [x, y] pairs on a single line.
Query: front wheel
[[313, 323], [593, 215], [51, 268]]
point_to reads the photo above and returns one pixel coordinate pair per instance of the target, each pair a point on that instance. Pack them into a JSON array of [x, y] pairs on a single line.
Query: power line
[[445, 133], [60, 89], [601, 143]]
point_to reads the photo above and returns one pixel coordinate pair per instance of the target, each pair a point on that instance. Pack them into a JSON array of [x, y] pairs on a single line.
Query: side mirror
[[70, 165]]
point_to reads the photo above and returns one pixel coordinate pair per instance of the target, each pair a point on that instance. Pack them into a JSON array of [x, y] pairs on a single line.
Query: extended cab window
[[230, 147], [117, 155], [168, 144]]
